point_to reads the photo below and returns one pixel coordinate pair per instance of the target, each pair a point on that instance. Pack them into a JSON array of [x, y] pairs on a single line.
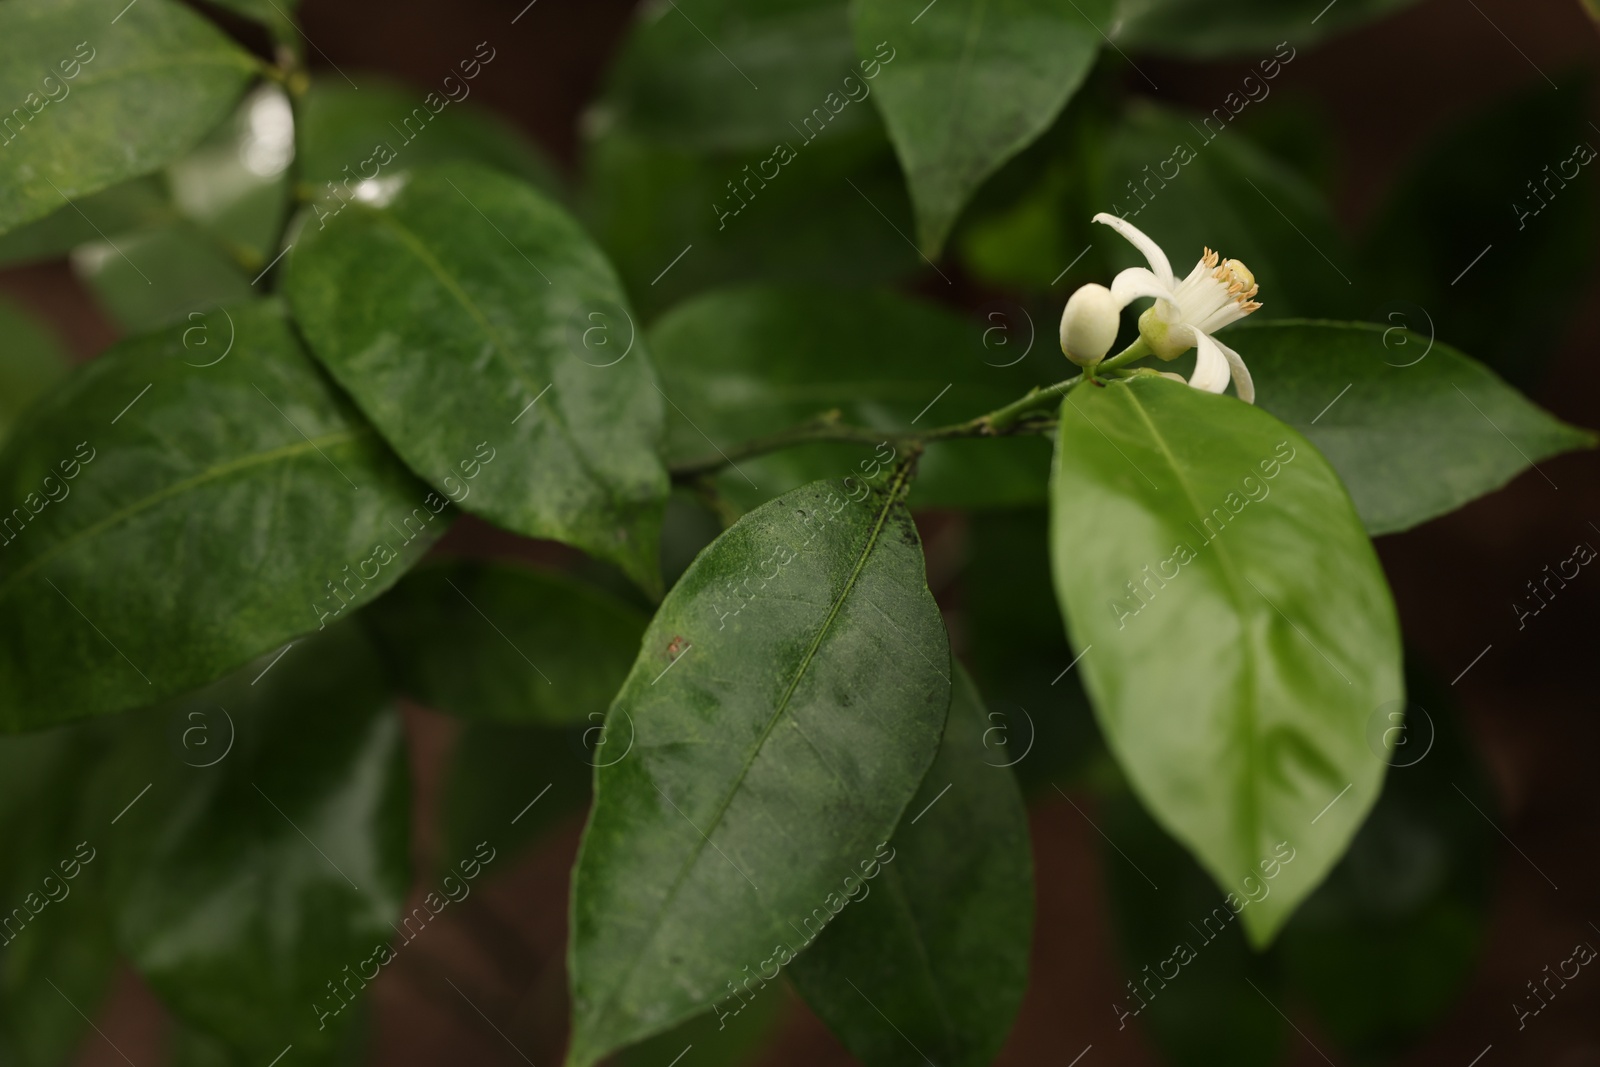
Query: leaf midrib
[[1236, 594], [145, 503], [698, 847]]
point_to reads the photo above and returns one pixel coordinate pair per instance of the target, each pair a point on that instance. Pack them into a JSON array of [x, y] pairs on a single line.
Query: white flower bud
[[1089, 324]]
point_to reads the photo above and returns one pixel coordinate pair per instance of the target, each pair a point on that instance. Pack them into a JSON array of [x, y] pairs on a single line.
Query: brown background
[[1530, 702]]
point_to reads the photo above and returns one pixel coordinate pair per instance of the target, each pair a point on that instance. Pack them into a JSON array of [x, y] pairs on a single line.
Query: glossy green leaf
[[96, 96], [1193, 182], [492, 345], [56, 929], [674, 226], [343, 128], [1414, 428], [159, 276], [1384, 948], [733, 75], [742, 363], [930, 963], [788, 698], [31, 362], [190, 500], [132, 204], [1187, 967], [501, 642], [1204, 29], [1236, 629], [269, 872], [1494, 249], [967, 84]]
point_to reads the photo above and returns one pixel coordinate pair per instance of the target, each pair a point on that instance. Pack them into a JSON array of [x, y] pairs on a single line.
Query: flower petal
[[1131, 284], [1151, 250], [1241, 374], [1211, 371]]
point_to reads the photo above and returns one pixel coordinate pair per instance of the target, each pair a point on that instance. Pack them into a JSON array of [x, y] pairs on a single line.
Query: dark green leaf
[[764, 767], [1204, 29], [1187, 966], [733, 1041], [1383, 949], [967, 84], [130, 205], [186, 502], [492, 641], [743, 363], [343, 128], [158, 276], [1236, 628], [33, 360], [268, 873], [930, 963], [508, 784], [1194, 183], [732, 75], [674, 226], [57, 953], [1418, 429], [491, 343], [97, 96], [1494, 248]]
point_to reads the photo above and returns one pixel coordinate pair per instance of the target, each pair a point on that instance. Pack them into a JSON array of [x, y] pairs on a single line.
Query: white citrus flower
[[1186, 313]]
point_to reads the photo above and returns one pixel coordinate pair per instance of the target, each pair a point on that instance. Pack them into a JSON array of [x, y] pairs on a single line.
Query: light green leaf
[[932, 959], [98, 96], [788, 698], [159, 276], [180, 506], [967, 84], [735, 75], [501, 642], [343, 127], [132, 204], [489, 340], [32, 361], [743, 363], [1204, 29], [1414, 428], [265, 875], [1236, 629]]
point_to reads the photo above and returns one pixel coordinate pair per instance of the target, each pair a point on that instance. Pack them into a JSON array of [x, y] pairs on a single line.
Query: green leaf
[[1203, 29], [57, 926], [1187, 967], [268, 873], [510, 784], [765, 766], [967, 84], [733, 75], [144, 85], [1193, 183], [1496, 248], [743, 363], [273, 13], [502, 642], [1414, 428], [1236, 628], [1384, 948], [674, 226], [930, 963], [130, 205], [166, 274], [342, 128], [33, 360], [491, 343], [180, 506]]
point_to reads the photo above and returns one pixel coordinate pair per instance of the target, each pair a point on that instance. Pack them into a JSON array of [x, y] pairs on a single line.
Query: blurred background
[[1420, 130]]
